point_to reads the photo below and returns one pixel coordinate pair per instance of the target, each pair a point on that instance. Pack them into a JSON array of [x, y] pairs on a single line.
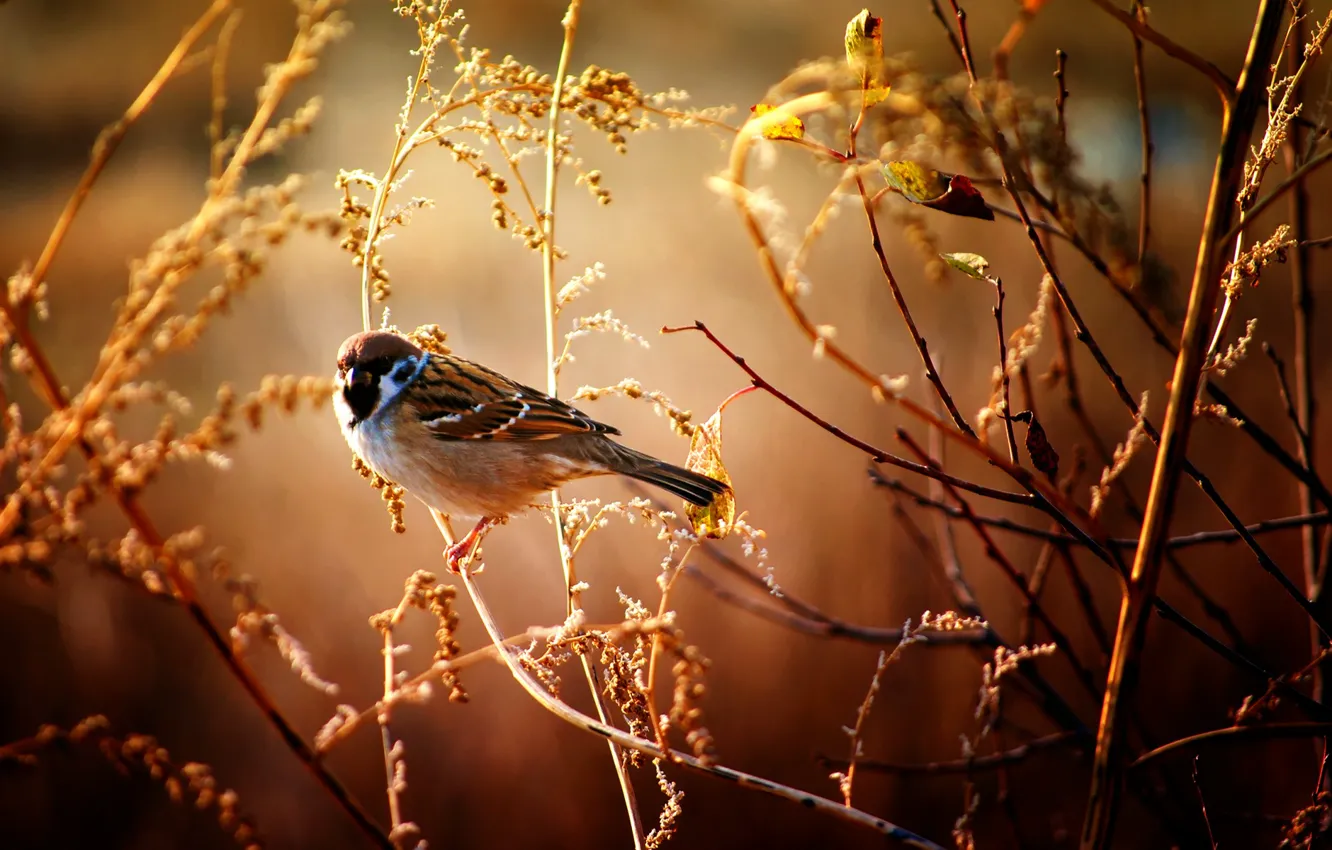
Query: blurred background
[[500, 771]]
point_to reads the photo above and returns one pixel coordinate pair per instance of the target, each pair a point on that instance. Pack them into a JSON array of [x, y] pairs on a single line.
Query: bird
[[471, 443]]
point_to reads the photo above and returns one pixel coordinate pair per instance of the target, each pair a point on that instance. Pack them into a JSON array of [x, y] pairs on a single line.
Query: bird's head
[[373, 367]]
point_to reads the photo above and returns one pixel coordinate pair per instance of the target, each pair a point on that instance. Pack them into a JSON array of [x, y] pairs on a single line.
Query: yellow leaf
[[971, 265], [864, 46], [914, 181], [875, 94], [705, 458], [778, 124], [864, 54]]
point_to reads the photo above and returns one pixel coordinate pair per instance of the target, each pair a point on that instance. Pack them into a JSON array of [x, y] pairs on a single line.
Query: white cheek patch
[[390, 385]]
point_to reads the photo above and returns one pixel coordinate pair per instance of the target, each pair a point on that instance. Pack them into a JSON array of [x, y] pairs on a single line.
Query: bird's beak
[[358, 377]]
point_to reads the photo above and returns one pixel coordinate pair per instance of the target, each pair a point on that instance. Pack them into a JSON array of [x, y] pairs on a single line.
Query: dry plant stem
[[736, 174], [570, 25], [1224, 86], [1202, 803], [1237, 125], [372, 226], [953, 767], [663, 608], [1292, 180], [386, 736], [1003, 367], [1083, 334], [1032, 683], [1263, 732], [216, 122], [952, 37], [182, 586], [1183, 541], [109, 139], [1301, 406], [1139, 10], [931, 374], [1016, 30], [862, 714], [828, 627], [744, 780], [946, 535], [1019, 582], [433, 671], [1053, 506], [1290, 101]]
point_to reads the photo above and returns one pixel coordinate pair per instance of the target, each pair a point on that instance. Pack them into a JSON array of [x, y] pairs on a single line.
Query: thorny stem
[[49, 387], [621, 738], [1237, 125], [547, 221]]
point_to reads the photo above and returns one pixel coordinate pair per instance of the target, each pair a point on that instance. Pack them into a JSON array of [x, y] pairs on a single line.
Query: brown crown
[[374, 347]]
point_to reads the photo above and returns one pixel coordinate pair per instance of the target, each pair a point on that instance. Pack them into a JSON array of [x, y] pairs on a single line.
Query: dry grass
[[971, 144]]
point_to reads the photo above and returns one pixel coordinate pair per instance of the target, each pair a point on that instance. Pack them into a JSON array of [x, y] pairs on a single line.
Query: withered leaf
[[713, 521], [950, 193], [1043, 455]]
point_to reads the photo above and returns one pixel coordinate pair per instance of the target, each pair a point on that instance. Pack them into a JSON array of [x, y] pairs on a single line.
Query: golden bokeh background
[[500, 771]]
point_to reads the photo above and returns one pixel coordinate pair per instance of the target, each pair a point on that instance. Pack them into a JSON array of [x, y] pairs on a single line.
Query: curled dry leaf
[[775, 123], [951, 193], [705, 457], [1043, 455]]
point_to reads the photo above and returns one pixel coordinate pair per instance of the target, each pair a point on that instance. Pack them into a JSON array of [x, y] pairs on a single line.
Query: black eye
[[402, 373]]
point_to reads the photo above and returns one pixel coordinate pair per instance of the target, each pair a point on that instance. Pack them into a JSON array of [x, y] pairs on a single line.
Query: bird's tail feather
[[690, 486]]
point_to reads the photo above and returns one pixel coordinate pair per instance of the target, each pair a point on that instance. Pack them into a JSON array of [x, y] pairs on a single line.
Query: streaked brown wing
[[467, 401]]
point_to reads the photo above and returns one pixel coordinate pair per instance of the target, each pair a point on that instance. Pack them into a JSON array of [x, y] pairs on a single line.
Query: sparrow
[[472, 443]]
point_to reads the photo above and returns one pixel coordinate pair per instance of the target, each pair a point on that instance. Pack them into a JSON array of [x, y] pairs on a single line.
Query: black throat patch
[[362, 398]]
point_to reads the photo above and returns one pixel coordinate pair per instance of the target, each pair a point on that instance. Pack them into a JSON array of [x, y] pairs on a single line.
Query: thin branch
[[576, 718], [1015, 578], [110, 137], [965, 766], [931, 374], [50, 388], [876, 454], [1183, 541], [1225, 87], [548, 256], [1265, 732], [1103, 801], [1139, 10]]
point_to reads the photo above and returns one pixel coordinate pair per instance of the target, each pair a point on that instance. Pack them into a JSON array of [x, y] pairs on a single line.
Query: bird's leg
[[461, 552]]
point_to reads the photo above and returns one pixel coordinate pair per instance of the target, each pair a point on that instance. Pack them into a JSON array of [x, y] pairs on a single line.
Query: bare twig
[[1225, 87], [1216, 737], [977, 763], [1237, 126], [566, 713]]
